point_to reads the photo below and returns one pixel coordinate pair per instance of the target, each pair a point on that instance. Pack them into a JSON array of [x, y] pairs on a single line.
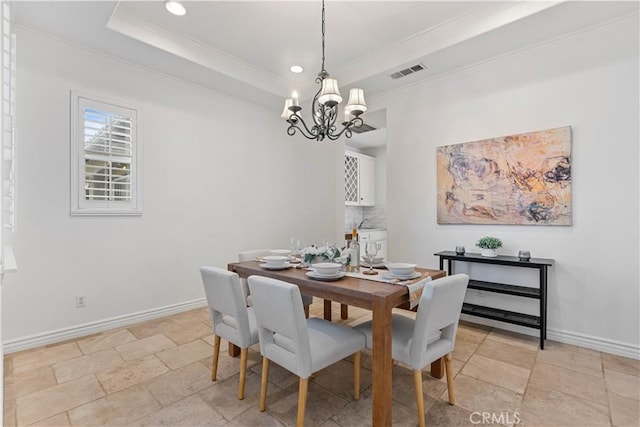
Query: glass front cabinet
[[359, 179]]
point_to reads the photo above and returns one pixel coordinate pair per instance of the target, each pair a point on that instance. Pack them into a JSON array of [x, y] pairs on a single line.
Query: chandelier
[[324, 108]]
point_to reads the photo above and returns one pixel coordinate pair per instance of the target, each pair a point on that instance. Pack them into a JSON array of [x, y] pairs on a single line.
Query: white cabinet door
[[359, 179], [367, 181], [351, 176]]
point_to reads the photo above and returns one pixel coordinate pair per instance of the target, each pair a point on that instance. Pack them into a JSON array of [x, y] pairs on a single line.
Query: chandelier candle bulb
[[286, 112], [294, 99]]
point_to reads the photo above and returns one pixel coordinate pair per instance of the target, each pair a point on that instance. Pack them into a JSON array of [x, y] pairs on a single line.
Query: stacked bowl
[[401, 270], [326, 269]]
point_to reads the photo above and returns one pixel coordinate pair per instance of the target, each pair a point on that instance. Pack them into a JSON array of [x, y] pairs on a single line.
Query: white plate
[[393, 276], [276, 267], [338, 275], [318, 274]]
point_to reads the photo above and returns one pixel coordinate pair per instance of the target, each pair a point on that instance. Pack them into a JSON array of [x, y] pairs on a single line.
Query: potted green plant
[[488, 246]]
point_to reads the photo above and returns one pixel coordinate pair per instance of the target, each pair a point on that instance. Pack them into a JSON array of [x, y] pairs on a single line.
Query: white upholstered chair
[[307, 300], [230, 317], [302, 346], [432, 335]]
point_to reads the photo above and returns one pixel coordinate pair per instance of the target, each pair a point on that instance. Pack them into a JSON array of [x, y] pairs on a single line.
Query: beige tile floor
[[158, 373]]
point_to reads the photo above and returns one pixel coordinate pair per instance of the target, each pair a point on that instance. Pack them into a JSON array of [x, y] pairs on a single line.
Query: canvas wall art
[[515, 179]]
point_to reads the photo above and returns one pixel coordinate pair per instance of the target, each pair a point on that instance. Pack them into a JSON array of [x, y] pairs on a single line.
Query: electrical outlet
[[81, 301]]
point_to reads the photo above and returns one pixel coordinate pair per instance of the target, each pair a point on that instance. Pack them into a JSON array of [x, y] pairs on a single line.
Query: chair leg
[[356, 375], [302, 401], [263, 384], [243, 372], [214, 362], [344, 311], [306, 311], [417, 379], [449, 368]]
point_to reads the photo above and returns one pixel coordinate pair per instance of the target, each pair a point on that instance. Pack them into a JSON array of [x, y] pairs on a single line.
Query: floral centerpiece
[[313, 254]]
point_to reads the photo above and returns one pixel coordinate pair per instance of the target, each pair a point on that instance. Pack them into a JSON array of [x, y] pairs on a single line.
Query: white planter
[[490, 253]]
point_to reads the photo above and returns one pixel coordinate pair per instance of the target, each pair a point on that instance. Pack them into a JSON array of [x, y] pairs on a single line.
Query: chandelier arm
[[347, 133], [355, 122], [305, 131], [291, 130], [331, 120], [318, 118]]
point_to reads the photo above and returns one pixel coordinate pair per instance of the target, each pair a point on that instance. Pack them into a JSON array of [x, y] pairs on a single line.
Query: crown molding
[[199, 53], [431, 40]]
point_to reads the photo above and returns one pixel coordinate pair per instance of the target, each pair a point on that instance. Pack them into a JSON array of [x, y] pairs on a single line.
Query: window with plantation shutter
[[106, 147], [7, 120]]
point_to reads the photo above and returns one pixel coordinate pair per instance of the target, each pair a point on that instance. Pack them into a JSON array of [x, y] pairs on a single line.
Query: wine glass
[[371, 249], [296, 246], [295, 242]]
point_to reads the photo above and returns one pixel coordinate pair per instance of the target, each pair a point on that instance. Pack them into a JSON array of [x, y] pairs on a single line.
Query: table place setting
[[326, 271], [394, 273], [275, 262], [399, 273], [279, 259]]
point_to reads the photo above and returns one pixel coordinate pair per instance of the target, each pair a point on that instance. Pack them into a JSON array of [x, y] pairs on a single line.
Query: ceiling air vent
[[402, 73], [362, 129]]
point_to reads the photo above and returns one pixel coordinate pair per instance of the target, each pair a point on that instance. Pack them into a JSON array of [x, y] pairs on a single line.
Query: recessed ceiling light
[[296, 69], [175, 7]]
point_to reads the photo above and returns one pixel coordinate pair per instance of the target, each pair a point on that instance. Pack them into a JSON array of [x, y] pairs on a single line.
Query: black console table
[[536, 322]]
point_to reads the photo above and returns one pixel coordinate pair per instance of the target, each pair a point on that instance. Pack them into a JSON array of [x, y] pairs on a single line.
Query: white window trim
[[79, 206]]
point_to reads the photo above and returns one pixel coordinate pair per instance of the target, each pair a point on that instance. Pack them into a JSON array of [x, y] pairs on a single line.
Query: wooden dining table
[[379, 297]]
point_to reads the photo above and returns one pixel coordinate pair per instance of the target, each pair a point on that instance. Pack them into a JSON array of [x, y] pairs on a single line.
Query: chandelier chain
[[323, 35]]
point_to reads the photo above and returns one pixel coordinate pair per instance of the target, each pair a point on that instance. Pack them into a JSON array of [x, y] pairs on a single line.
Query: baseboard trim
[[595, 343], [64, 334], [24, 343], [567, 337]]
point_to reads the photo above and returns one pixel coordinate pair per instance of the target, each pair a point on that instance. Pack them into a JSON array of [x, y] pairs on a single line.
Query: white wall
[[588, 81], [380, 153], [218, 176]]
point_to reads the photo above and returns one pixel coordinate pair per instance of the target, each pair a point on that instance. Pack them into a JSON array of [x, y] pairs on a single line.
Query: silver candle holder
[[524, 255]]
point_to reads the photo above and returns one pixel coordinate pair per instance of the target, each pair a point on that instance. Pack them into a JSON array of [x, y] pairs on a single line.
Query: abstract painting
[[515, 179]]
